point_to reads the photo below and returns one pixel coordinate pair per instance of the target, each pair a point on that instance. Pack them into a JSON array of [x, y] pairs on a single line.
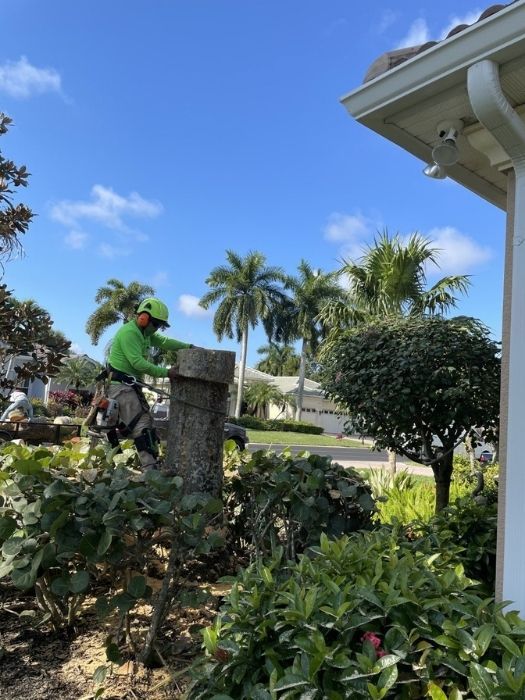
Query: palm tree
[[259, 395], [298, 319], [390, 279], [117, 303], [247, 291], [279, 360], [78, 372]]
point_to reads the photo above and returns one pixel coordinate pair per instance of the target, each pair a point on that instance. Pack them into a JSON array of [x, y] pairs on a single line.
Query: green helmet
[[155, 308]]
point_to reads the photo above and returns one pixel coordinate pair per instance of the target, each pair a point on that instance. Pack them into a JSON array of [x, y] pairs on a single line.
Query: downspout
[[497, 115]]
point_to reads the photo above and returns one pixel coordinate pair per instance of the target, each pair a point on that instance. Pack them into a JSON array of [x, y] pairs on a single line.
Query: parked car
[[486, 456], [233, 432]]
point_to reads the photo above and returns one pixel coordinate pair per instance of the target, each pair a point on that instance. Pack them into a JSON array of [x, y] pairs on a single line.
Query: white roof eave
[[500, 38], [443, 67]]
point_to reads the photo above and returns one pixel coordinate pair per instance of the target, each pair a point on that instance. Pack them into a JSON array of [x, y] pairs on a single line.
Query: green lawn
[[274, 437]]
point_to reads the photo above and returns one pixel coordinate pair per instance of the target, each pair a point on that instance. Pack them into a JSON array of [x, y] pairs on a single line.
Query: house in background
[[317, 409], [35, 388]]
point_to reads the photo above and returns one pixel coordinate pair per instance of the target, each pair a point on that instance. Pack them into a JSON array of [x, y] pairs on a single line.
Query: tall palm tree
[[78, 372], [247, 290], [278, 359], [298, 319], [117, 303]]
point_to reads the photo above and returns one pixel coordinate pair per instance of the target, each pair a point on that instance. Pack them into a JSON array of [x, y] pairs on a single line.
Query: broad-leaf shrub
[[289, 500], [468, 528], [365, 616], [69, 519]]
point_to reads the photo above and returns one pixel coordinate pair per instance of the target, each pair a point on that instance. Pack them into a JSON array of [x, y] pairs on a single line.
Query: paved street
[[363, 458]]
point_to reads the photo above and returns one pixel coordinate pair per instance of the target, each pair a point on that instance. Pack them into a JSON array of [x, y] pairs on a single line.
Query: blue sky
[[159, 134]]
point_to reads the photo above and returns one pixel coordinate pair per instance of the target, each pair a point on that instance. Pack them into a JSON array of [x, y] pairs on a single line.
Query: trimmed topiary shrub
[[365, 616]]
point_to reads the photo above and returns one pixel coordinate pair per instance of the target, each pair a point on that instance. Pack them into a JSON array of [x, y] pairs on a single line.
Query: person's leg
[[146, 442], [142, 433]]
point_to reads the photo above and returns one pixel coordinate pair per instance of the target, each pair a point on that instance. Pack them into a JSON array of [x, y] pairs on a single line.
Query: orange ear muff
[[143, 319]]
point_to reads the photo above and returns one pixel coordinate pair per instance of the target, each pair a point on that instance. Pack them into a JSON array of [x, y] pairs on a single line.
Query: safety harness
[[148, 440]]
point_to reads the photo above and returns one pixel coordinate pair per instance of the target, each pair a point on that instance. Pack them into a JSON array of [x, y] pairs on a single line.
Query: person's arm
[[159, 340], [133, 352], [6, 412]]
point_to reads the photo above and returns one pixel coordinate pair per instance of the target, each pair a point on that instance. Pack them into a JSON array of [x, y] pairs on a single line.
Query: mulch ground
[[40, 664]]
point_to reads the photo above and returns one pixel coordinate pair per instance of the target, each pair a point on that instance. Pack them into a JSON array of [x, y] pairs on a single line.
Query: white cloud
[[387, 19], [345, 228], [417, 34], [76, 240], [189, 305], [108, 209], [468, 18], [352, 231], [76, 349], [458, 253], [21, 79]]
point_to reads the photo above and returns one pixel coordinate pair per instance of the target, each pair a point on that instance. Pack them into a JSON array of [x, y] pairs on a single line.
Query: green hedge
[[372, 615], [286, 425]]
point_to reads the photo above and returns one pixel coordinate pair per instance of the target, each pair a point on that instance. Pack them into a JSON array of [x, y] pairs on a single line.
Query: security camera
[[449, 129], [447, 153]]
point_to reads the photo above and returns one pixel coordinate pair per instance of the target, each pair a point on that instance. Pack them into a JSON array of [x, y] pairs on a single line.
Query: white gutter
[[497, 115]]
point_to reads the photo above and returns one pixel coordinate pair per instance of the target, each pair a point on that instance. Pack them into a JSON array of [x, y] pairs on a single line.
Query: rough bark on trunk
[[442, 476], [198, 403]]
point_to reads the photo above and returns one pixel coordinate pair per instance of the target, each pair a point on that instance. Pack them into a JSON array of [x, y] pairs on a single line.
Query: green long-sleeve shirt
[[130, 347]]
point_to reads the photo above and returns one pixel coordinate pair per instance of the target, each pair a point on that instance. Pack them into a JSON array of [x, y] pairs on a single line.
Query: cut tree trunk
[[199, 396]]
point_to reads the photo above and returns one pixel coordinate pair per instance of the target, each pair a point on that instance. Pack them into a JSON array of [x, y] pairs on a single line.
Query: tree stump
[[198, 408]]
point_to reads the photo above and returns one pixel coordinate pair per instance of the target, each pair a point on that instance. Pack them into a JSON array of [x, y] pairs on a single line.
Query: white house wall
[[317, 411]]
